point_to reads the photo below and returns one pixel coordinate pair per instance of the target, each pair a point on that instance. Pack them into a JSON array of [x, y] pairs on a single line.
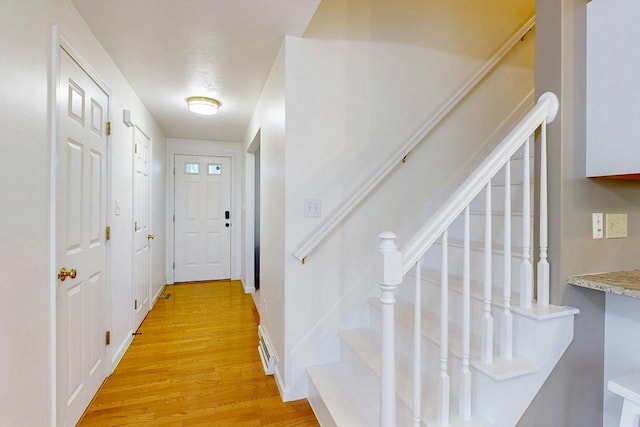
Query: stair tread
[[348, 403], [545, 312]]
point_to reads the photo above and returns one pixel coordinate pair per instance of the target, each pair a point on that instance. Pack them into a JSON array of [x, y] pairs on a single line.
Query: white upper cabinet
[[613, 88]]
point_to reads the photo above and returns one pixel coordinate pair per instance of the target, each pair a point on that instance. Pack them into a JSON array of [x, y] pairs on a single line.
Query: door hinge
[[107, 233], [174, 265], [135, 304], [108, 128], [135, 148], [135, 226], [107, 337], [174, 218]]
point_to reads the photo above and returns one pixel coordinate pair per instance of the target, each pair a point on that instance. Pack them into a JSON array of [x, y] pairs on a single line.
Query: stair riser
[[431, 303], [369, 378], [322, 413], [430, 359], [404, 343], [404, 332], [477, 228], [433, 259]]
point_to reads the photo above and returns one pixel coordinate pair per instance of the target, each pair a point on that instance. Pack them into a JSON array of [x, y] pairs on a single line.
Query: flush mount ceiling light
[[203, 105]]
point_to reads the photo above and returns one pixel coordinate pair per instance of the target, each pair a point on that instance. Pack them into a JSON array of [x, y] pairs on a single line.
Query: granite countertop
[[618, 282]]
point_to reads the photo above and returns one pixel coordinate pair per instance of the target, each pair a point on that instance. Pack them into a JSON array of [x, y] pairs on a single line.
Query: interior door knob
[[151, 236], [63, 274]]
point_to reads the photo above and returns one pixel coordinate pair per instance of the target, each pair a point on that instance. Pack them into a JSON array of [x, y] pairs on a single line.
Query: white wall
[[621, 349], [349, 105], [27, 273], [269, 119], [177, 146]]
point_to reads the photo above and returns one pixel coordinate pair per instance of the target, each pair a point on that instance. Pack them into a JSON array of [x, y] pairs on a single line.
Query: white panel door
[[141, 226], [80, 242], [202, 218]]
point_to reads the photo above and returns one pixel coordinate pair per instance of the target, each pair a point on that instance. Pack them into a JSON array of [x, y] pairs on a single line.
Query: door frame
[[250, 213], [190, 147], [58, 42]]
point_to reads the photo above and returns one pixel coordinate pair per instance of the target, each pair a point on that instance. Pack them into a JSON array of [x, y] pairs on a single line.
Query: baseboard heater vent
[[265, 351]]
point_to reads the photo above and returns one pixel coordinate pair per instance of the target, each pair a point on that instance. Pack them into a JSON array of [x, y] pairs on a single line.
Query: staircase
[[451, 342]]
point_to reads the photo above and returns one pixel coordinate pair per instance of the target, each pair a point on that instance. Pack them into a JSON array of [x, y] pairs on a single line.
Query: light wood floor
[[196, 364]]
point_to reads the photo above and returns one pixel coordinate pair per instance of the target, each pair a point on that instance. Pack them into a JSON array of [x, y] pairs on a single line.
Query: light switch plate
[[597, 224], [616, 226], [312, 208]]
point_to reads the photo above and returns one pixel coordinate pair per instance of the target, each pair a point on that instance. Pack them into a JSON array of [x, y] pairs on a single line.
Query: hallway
[[195, 364]]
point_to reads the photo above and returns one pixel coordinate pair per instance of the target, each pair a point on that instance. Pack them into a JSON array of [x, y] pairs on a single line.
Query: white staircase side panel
[[549, 339]]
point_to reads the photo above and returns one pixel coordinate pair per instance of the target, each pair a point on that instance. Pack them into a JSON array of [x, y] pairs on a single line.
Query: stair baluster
[[443, 386], [465, 386], [506, 323], [526, 269], [392, 278], [487, 319], [543, 263], [417, 353]]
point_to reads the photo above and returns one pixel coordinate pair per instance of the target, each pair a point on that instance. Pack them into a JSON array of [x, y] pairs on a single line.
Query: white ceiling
[[171, 49]]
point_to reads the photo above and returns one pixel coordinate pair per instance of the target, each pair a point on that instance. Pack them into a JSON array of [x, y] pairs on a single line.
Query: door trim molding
[[189, 147], [57, 42], [249, 217]]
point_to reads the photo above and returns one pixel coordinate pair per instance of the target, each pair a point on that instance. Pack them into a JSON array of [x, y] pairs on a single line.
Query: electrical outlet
[[312, 208], [616, 226], [597, 225]]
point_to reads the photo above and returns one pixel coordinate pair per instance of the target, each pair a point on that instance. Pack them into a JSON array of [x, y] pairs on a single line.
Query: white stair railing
[[397, 264]]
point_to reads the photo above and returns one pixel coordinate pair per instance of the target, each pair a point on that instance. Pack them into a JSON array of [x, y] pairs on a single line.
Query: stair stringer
[[543, 340]]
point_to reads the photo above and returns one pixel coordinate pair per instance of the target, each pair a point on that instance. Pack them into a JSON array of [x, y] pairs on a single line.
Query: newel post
[[392, 278]]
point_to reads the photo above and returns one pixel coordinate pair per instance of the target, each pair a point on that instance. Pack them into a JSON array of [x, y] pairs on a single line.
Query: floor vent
[[167, 296], [266, 353]]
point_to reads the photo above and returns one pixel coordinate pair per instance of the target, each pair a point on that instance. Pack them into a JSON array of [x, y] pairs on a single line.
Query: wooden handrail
[[317, 237]]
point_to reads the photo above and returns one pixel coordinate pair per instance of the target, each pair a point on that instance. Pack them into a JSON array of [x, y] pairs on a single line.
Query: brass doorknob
[[151, 236], [63, 274]]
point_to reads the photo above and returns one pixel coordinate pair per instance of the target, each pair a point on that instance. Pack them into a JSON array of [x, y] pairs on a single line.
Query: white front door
[[80, 243], [141, 226], [202, 218]]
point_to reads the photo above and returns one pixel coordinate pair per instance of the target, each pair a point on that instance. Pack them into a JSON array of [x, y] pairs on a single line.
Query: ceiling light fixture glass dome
[[203, 105]]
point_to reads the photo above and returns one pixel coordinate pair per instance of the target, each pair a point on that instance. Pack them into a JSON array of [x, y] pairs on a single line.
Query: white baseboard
[[247, 289], [157, 295], [116, 357]]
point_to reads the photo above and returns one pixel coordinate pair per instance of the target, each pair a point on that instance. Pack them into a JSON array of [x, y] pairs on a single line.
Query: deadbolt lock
[[63, 274]]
